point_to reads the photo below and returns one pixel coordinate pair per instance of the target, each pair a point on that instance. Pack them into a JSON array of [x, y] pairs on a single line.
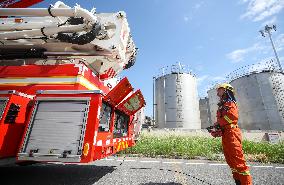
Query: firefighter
[[227, 128]]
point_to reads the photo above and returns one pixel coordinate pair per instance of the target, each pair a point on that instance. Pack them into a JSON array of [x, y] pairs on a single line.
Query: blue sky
[[212, 37]]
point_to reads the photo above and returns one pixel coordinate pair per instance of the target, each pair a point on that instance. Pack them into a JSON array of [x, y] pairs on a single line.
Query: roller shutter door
[[57, 127]]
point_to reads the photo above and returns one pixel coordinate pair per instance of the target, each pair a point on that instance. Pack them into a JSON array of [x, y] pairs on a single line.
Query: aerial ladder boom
[[103, 40]]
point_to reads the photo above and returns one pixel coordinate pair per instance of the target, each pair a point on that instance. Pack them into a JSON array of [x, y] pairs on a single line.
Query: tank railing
[[266, 66], [177, 68]]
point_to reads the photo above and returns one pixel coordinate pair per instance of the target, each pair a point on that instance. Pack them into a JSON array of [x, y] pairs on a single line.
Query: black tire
[[26, 163]]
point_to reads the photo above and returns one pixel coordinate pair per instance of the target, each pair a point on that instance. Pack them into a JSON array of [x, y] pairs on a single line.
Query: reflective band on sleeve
[[228, 119]]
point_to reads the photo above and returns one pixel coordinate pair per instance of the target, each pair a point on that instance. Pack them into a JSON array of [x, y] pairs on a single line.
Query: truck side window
[[120, 124], [2, 107], [12, 113], [105, 118]]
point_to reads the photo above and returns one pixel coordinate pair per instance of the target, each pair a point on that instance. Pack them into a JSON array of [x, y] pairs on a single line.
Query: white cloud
[[210, 80], [281, 60], [264, 47], [186, 18], [259, 66], [195, 9], [271, 21], [218, 78], [239, 54], [279, 42], [198, 5], [258, 10], [207, 82], [202, 79]]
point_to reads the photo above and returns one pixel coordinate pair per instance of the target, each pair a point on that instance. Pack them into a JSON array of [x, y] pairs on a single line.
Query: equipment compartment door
[[56, 131]]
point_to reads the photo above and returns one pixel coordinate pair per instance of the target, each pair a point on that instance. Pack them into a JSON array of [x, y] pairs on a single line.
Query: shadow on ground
[[53, 174]]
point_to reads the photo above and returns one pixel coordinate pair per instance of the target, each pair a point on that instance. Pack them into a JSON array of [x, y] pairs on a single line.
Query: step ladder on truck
[[60, 100]]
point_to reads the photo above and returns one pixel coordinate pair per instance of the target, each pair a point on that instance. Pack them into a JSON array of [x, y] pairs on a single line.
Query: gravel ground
[[137, 171]]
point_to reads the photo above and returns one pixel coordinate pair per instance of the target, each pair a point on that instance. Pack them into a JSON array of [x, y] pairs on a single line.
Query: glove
[[210, 129], [215, 130], [217, 133]]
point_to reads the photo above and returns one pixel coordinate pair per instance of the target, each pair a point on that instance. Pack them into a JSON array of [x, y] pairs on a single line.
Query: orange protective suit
[[227, 117]]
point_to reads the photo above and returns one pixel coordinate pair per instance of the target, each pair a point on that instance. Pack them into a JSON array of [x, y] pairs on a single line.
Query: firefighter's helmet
[[227, 87]]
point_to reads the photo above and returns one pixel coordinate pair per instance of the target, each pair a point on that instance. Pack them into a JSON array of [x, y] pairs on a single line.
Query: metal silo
[[213, 100], [205, 115], [160, 117], [260, 96], [176, 99]]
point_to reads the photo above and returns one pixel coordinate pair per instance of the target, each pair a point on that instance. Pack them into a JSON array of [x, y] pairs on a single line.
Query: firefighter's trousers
[[232, 147]]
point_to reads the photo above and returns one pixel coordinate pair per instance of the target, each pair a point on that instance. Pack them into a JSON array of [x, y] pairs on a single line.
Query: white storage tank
[[260, 96], [205, 115], [176, 100], [213, 100]]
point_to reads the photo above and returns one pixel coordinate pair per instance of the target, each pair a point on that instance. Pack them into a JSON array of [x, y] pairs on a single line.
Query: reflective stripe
[[242, 173], [234, 126], [234, 170], [22, 81], [118, 148], [228, 119]]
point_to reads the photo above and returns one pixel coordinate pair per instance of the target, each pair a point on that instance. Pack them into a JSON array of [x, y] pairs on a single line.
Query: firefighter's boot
[[238, 182]]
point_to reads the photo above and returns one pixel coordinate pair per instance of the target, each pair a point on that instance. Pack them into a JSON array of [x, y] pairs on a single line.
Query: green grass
[[190, 147], [264, 151]]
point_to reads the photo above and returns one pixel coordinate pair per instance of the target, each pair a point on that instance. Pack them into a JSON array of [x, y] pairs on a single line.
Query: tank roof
[[261, 67], [177, 68]]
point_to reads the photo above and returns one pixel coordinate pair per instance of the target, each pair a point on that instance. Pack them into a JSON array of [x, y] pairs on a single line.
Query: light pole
[[267, 31]]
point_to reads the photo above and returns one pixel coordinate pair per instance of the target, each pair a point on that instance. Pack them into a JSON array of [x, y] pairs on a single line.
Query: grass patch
[[192, 147], [264, 151]]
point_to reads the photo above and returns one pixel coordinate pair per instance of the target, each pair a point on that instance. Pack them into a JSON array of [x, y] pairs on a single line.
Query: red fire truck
[[60, 100]]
